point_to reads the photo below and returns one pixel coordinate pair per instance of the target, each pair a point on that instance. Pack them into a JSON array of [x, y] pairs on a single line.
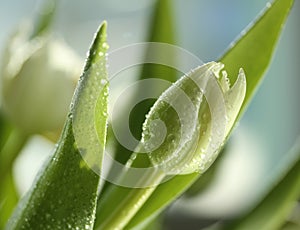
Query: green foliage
[[45, 18], [275, 207], [65, 192], [254, 49], [66, 195], [161, 30], [237, 56], [12, 141], [63, 196]]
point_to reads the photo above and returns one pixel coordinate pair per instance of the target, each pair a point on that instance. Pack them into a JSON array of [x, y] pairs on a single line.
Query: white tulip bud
[[38, 80], [189, 123]]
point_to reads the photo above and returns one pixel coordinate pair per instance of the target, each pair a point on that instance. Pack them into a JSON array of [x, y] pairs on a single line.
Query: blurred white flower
[[38, 78]]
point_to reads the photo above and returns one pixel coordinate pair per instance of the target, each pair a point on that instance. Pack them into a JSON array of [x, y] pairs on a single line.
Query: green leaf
[[13, 144], [8, 198], [290, 226], [65, 193], [5, 129], [185, 95], [208, 177], [273, 210], [161, 30], [45, 18], [253, 52]]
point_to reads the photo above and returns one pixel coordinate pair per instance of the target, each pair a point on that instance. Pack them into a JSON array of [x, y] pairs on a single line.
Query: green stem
[[5, 130], [8, 198], [14, 144], [118, 210], [9, 152]]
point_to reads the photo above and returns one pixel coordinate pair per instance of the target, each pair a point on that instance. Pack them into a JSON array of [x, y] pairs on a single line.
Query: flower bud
[[189, 123], [38, 80]]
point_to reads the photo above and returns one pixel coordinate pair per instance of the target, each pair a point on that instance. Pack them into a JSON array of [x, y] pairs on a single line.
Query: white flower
[[189, 123], [38, 78]]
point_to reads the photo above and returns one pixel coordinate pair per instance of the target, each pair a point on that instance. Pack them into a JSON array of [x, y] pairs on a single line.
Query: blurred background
[[264, 135]]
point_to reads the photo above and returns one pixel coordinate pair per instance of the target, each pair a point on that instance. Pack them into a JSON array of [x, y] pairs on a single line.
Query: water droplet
[[171, 138], [227, 118], [100, 54], [48, 216], [103, 81], [201, 167], [105, 45]]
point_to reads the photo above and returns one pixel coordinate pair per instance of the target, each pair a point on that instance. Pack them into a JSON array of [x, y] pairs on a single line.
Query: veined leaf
[[253, 52], [65, 193], [272, 211]]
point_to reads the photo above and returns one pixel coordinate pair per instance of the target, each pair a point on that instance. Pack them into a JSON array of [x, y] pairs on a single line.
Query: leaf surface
[[64, 194], [253, 52]]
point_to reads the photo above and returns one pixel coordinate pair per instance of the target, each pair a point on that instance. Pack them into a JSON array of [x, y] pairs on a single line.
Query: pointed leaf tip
[[98, 47], [102, 29], [50, 204], [90, 103]]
